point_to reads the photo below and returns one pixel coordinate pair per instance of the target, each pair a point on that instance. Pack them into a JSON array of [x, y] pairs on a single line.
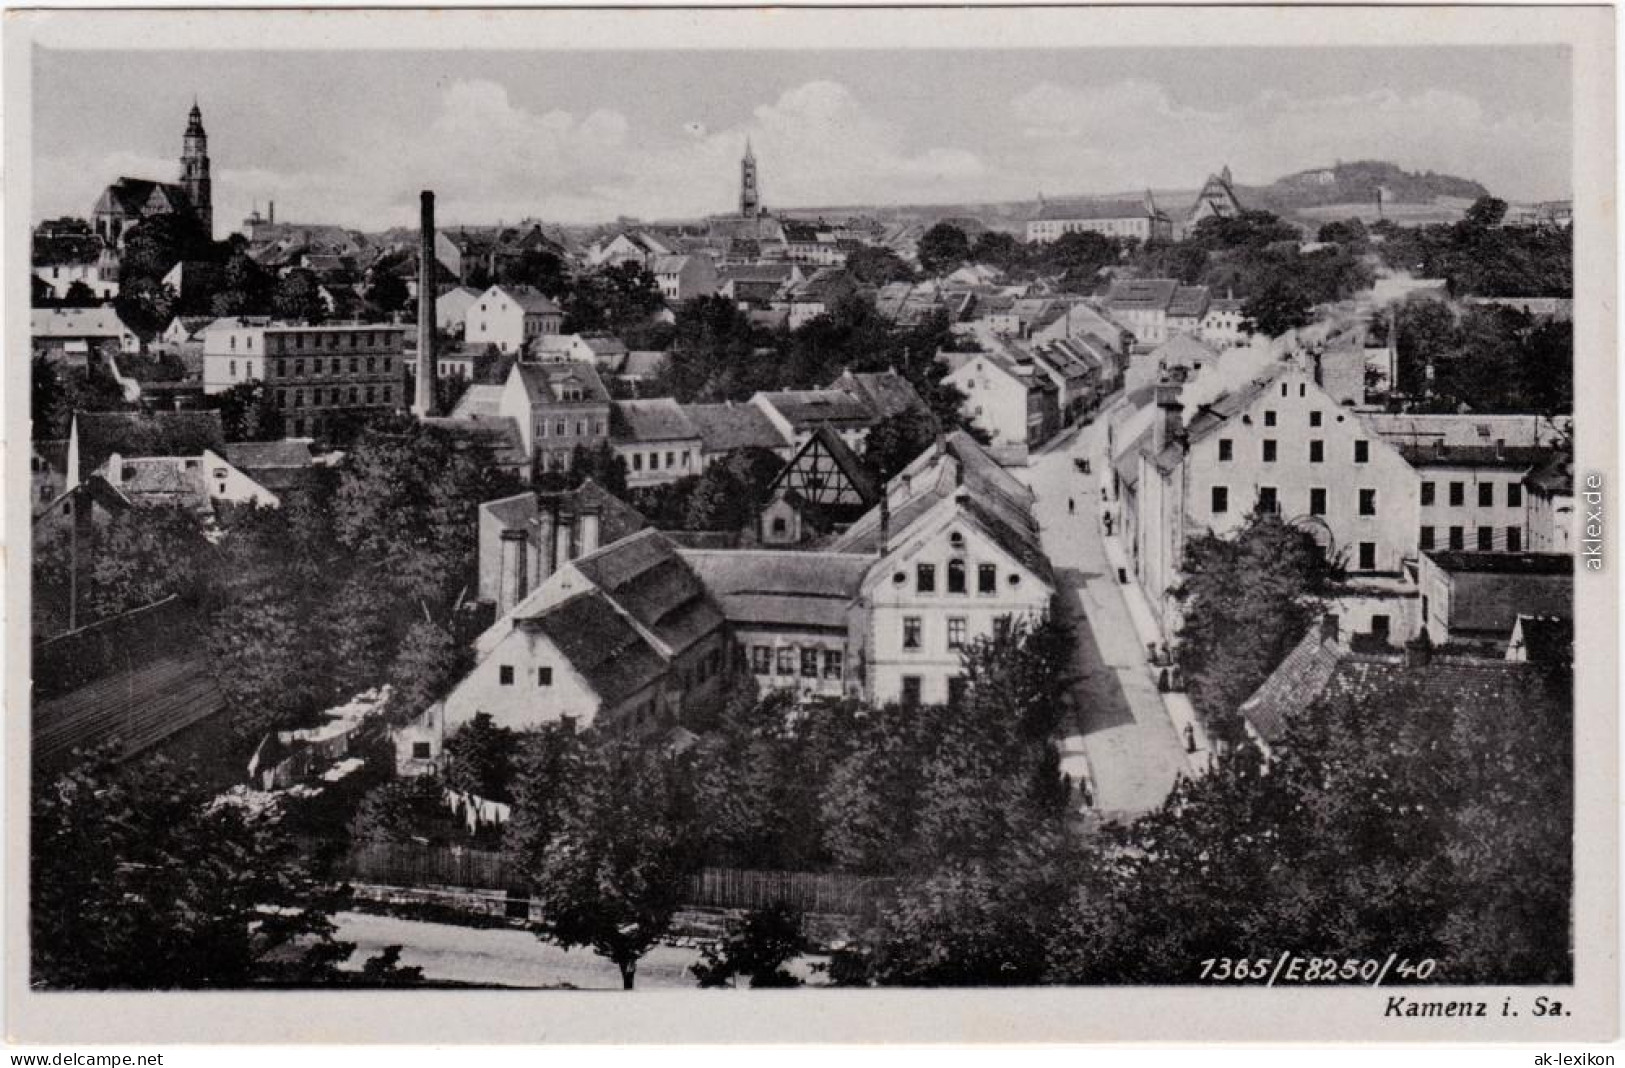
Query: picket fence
[[415, 865]]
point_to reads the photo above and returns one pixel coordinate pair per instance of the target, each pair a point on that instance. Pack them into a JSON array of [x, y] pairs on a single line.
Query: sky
[[350, 137]]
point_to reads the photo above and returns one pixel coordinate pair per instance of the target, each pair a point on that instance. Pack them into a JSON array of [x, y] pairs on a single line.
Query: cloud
[[492, 154]]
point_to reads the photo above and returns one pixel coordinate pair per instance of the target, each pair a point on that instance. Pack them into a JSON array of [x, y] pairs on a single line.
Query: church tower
[[750, 197], [195, 170]]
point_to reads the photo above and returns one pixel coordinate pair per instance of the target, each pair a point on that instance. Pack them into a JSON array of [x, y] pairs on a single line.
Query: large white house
[[510, 316]]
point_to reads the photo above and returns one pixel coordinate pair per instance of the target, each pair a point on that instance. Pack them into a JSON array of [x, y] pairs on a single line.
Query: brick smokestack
[[423, 404]]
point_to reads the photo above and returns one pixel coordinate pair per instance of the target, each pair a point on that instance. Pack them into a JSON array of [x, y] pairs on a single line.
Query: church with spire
[[129, 200], [751, 223]]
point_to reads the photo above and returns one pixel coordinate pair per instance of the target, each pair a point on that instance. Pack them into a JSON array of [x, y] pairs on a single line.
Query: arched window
[[956, 576]]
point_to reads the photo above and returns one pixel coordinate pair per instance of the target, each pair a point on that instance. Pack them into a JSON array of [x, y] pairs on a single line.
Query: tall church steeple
[[195, 170], [750, 197]]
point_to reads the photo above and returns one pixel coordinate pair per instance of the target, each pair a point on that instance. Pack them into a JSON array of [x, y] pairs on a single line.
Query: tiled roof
[[1142, 293], [659, 419], [805, 409], [1095, 209], [887, 393], [793, 589], [1555, 477], [131, 194], [616, 518], [606, 650], [160, 477], [1183, 350], [724, 427], [531, 299], [643, 363], [1189, 301], [644, 576], [248, 455], [548, 383], [1321, 671], [101, 321], [1515, 430], [145, 434]]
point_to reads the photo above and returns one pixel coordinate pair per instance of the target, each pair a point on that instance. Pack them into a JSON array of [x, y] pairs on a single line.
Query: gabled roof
[[961, 470], [728, 426], [160, 477], [643, 363], [646, 578], [616, 518], [532, 300], [1096, 209], [806, 409], [498, 436], [145, 434], [785, 588], [599, 643], [100, 321], [861, 479], [130, 195], [1183, 350], [658, 419], [548, 383], [1189, 301], [1151, 294], [887, 393], [479, 401], [250, 455]]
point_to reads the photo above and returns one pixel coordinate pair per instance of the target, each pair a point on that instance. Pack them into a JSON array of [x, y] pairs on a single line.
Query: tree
[[142, 556], [942, 249], [297, 297], [480, 759], [1344, 232], [46, 393], [406, 505], [1279, 306], [1245, 601], [731, 493], [757, 948], [897, 441], [399, 811], [248, 412], [1485, 213], [613, 873], [360, 632], [1078, 257], [385, 296], [139, 881], [245, 287], [876, 265], [267, 660], [145, 305], [429, 661], [999, 249], [79, 295]]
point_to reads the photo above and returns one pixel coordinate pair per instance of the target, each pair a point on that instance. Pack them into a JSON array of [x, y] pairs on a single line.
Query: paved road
[[1123, 734]]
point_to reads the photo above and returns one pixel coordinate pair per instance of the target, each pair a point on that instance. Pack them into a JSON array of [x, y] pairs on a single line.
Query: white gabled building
[[509, 317], [957, 551]]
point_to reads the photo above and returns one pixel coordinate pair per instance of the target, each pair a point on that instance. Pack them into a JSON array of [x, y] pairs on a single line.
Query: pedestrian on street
[[1071, 506]]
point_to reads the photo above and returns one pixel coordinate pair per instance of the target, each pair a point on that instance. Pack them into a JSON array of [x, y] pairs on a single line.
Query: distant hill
[[1357, 183]]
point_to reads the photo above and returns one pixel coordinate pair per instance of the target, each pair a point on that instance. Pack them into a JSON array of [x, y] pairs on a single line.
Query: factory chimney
[[423, 404]]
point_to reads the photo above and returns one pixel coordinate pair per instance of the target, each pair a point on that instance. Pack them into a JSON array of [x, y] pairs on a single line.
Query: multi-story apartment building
[[558, 407], [316, 375], [1128, 219], [1473, 496], [1277, 444]]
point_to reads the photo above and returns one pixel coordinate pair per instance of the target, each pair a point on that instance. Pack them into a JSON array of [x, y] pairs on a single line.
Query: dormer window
[[957, 540]]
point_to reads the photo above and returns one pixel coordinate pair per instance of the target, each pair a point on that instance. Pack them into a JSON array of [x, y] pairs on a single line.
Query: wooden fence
[[413, 865]]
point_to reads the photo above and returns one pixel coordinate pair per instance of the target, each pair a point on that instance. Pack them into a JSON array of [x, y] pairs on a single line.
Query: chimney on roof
[[1169, 426], [546, 544], [587, 530], [564, 537], [423, 404], [885, 519], [512, 589]]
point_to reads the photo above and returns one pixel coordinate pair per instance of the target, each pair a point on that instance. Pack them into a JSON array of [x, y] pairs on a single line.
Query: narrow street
[[1122, 735]]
